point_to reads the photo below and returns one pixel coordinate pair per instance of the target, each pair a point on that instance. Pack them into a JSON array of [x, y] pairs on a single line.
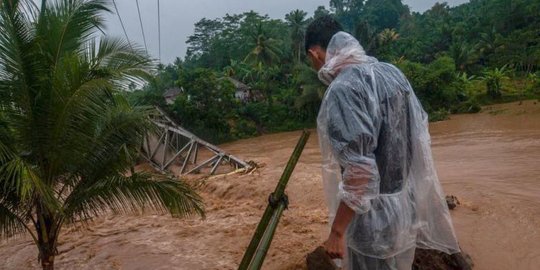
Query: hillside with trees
[[456, 58]]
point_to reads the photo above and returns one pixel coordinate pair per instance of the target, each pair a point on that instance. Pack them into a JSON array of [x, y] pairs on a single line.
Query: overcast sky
[[179, 16]]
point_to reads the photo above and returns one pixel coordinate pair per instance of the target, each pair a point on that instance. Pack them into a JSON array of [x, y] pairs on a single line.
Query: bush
[[435, 84], [244, 129], [207, 106], [439, 115], [533, 83], [494, 79]]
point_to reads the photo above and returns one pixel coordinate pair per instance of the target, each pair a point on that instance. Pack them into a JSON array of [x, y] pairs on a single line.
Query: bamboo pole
[[284, 180], [261, 228], [266, 240], [276, 196]]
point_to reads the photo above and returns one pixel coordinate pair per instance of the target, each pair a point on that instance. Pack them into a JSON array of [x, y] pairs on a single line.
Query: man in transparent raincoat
[[382, 190]]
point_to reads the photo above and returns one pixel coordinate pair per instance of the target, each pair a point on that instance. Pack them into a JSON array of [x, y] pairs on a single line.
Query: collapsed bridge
[[171, 147]]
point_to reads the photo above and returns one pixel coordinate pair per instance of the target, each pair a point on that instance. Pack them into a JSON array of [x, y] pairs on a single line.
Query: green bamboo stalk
[[261, 228], [284, 180], [276, 197], [266, 240]]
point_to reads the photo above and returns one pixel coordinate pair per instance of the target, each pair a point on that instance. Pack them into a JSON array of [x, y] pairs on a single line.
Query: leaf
[[122, 194]]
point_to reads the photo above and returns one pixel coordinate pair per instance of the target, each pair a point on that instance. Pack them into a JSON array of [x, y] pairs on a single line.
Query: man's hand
[[335, 245]]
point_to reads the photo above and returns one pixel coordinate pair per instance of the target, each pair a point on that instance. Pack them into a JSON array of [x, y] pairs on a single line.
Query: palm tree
[[312, 89], [68, 136], [367, 36], [236, 69], [296, 20], [387, 36], [490, 42], [463, 54], [264, 50], [385, 39]]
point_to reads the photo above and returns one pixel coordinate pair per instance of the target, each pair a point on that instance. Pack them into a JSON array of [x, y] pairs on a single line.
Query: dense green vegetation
[[68, 136], [457, 58]]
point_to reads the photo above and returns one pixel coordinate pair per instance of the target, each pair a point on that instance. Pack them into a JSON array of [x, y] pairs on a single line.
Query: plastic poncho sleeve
[[352, 130]]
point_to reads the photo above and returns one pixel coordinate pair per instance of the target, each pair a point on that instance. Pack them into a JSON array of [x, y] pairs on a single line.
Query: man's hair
[[320, 31]]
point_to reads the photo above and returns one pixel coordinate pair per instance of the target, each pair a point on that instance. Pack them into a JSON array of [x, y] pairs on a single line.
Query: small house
[[241, 90], [171, 94], [244, 93]]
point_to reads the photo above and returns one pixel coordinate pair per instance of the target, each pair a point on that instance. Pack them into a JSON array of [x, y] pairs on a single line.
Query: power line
[[142, 28], [159, 30], [122, 23]]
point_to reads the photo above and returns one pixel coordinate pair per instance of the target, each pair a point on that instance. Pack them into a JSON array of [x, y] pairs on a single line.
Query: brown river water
[[490, 161]]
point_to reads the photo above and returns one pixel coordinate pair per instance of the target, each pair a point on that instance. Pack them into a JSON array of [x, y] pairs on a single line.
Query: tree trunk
[[47, 261], [47, 234], [47, 251]]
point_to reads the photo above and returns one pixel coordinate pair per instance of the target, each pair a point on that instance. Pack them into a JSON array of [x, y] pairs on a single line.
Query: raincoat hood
[[342, 51]]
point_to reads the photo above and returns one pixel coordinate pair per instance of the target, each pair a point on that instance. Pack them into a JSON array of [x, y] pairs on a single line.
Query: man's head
[[318, 35]]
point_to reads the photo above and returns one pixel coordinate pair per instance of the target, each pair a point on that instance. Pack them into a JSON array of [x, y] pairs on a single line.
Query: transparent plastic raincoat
[[377, 159]]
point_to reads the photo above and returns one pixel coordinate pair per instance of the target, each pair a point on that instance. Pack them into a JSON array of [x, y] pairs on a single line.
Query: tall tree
[[68, 136], [463, 54], [385, 42], [265, 50], [382, 14], [206, 31], [320, 11], [296, 21], [367, 37], [312, 90], [347, 11], [206, 105]]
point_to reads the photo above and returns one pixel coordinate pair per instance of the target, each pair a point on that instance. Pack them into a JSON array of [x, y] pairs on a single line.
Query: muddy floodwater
[[490, 161]]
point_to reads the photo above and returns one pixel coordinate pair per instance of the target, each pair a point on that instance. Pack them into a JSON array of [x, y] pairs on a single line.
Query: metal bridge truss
[[172, 145]]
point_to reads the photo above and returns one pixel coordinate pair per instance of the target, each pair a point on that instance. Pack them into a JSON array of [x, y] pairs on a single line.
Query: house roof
[[172, 92], [238, 84]]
